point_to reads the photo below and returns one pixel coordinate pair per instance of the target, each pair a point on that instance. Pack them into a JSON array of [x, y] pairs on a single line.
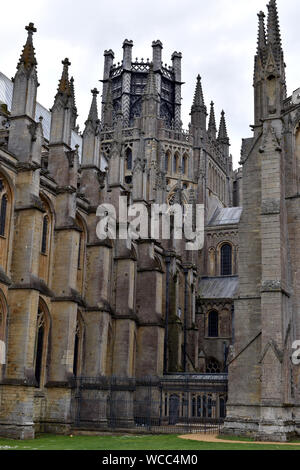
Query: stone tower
[[263, 383]]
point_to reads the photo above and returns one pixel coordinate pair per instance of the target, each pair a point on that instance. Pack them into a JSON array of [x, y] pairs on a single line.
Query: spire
[[91, 137], [199, 110], [261, 40], [93, 114], [223, 139], [212, 128], [28, 54], [273, 33], [62, 113], [74, 107], [274, 37], [223, 136], [198, 97], [64, 86]]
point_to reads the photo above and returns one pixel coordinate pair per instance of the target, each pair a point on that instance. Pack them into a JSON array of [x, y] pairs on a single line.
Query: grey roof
[[218, 287], [226, 216], [6, 94]]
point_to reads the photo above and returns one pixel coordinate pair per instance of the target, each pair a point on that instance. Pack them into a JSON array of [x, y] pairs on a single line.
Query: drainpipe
[[168, 261], [232, 319], [185, 319]]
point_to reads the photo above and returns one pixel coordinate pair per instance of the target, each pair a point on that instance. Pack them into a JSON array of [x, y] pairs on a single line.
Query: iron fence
[[172, 404]]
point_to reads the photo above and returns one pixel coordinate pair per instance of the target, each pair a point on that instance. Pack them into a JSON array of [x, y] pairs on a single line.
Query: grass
[[128, 442]]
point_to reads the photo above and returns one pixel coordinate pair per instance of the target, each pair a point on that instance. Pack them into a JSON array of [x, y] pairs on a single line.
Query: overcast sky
[[217, 39]]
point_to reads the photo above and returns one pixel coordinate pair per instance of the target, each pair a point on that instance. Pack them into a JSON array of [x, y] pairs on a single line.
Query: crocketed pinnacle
[[223, 136], [212, 128], [72, 89], [274, 37], [64, 86], [261, 40], [273, 34], [198, 97], [28, 54], [93, 114]]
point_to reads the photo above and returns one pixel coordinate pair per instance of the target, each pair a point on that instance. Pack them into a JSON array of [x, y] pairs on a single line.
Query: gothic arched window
[[226, 260], [46, 239], [222, 408], [185, 165], [175, 163], [44, 235], [3, 213], [213, 324], [167, 162]]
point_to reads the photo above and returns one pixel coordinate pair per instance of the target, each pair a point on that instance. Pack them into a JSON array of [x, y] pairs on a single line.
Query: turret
[[24, 130], [223, 139], [74, 114], [199, 110], [61, 118], [176, 61], [108, 107], [91, 138], [269, 70], [212, 128], [108, 63]]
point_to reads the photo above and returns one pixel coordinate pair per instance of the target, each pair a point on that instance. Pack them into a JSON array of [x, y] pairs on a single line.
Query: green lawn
[[127, 442]]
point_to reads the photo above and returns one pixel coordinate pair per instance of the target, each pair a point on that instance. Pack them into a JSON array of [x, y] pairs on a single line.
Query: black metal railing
[[172, 404]]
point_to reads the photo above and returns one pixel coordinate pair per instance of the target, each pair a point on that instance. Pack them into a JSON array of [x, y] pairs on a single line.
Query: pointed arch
[[175, 164], [185, 164], [226, 259], [81, 252], [167, 161], [6, 205]]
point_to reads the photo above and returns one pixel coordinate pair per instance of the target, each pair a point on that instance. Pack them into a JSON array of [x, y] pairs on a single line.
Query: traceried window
[[213, 324], [212, 366], [226, 260]]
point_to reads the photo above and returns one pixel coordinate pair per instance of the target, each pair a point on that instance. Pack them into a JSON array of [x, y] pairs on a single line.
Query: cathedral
[[88, 326]]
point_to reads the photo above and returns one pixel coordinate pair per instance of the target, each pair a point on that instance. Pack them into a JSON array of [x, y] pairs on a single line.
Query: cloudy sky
[[217, 39]]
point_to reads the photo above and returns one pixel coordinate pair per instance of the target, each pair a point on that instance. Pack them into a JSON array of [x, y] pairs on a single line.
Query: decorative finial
[[66, 62], [95, 92], [30, 28]]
